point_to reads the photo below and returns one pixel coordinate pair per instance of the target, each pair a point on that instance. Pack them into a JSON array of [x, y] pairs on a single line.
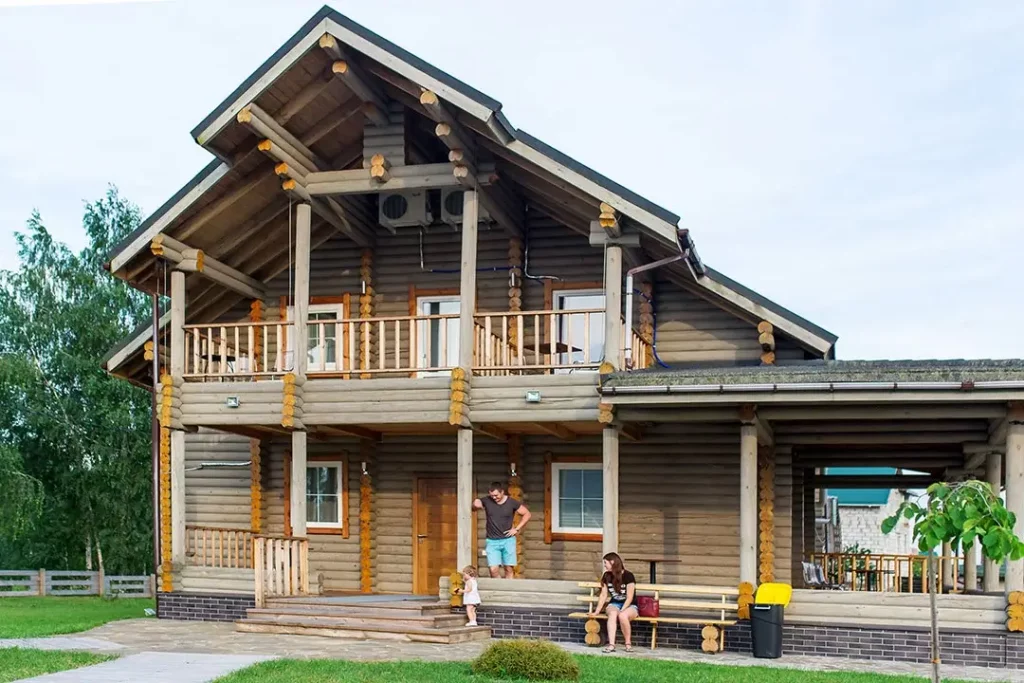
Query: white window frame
[[423, 329], [558, 297], [340, 466], [556, 527], [339, 309]]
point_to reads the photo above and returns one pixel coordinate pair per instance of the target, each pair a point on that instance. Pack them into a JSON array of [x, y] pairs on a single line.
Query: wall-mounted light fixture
[[232, 402], [533, 396]]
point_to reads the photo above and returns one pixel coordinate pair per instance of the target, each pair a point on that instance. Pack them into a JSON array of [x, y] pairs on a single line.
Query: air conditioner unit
[[404, 209], [451, 207]]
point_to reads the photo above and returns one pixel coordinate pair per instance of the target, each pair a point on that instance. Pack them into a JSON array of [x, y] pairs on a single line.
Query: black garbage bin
[[766, 630]]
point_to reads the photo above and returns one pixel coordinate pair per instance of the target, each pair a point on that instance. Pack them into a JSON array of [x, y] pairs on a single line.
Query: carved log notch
[[647, 320], [766, 338], [367, 457], [368, 336], [515, 490], [256, 485], [515, 287], [766, 513]]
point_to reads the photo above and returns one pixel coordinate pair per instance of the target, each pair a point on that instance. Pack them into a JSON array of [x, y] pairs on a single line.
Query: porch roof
[[824, 372]]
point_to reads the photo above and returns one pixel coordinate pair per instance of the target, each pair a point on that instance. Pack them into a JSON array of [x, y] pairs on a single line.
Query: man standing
[[501, 534]]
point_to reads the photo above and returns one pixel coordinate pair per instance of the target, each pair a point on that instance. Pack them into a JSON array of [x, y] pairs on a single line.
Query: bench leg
[[654, 634]]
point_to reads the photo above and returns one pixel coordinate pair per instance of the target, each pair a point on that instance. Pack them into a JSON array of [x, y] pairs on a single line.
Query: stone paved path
[[154, 667], [149, 638]]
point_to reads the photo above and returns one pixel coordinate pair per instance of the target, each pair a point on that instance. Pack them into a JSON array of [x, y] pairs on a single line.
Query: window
[[317, 348], [324, 494], [577, 498], [437, 339], [572, 334]]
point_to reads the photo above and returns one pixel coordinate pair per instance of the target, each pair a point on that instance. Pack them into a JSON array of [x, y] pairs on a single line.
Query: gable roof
[[220, 177]]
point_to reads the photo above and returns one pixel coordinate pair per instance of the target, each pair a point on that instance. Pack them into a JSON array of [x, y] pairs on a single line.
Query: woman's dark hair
[[617, 568]]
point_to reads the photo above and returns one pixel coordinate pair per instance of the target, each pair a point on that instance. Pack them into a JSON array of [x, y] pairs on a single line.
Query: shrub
[[534, 660]]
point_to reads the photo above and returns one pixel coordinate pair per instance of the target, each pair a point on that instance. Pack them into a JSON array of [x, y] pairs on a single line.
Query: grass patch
[[33, 617], [593, 670], [17, 663]]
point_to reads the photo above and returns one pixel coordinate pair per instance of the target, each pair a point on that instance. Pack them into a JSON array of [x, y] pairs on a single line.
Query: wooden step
[[382, 618], [310, 626], [325, 605]]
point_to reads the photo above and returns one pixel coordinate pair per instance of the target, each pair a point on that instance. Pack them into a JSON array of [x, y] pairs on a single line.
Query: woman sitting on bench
[[618, 591]]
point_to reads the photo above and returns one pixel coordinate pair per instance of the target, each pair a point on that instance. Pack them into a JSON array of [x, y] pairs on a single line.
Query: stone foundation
[[203, 606], [963, 648]]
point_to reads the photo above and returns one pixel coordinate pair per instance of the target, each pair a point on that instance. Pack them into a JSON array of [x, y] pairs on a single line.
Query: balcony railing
[[219, 547], [520, 342]]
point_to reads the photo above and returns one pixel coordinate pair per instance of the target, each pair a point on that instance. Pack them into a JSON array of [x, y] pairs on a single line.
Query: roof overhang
[[116, 358]]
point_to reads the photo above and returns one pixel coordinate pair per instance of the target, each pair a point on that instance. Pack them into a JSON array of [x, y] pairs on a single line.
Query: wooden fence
[[282, 567], [883, 573], [219, 547], [15, 583]]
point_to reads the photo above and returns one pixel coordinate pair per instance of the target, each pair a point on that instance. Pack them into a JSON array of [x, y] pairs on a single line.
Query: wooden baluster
[[521, 332], [339, 338], [398, 344], [304, 567], [250, 344], [279, 361], [294, 565], [365, 336], [428, 337], [554, 336], [443, 342], [413, 357], [503, 357], [586, 338], [352, 345], [488, 335]]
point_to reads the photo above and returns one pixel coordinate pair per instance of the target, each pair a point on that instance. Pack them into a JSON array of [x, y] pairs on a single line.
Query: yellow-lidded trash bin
[[766, 619]]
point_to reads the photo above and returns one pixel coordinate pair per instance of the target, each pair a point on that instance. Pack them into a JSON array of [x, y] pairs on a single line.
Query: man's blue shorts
[[501, 552]]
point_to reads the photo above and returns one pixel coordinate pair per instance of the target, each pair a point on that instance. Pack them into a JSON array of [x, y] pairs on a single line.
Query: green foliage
[[533, 660], [961, 513], [73, 437], [17, 663], [855, 549]]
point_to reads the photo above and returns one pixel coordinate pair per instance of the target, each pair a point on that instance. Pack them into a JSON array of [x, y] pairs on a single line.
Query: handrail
[[884, 572], [244, 349], [281, 567], [209, 546]]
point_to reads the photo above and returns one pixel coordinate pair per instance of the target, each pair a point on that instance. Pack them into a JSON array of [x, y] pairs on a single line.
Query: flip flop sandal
[[629, 648], [608, 650]]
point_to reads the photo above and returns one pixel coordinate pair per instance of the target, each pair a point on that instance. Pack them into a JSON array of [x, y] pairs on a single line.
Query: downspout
[[684, 253], [156, 433]]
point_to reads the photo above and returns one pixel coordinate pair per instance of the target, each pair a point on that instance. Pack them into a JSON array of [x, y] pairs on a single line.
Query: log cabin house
[[383, 296]]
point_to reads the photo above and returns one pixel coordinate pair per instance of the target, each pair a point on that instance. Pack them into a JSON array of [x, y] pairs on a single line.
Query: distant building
[[861, 512]]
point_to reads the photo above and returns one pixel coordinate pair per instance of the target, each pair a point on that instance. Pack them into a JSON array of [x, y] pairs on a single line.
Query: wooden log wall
[[166, 578], [367, 523], [338, 401], [645, 321], [255, 486], [796, 528], [515, 490], [334, 560], [205, 404], [367, 343], [515, 285], [564, 398], [218, 496]]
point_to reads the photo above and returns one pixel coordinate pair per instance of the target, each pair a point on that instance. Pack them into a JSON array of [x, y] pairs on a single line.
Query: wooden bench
[[713, 607]]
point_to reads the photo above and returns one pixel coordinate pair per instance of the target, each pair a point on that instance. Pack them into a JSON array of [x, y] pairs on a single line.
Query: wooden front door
[[434, 533]]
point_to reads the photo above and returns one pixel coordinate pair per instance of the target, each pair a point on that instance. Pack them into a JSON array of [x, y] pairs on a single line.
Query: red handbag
[[647, 606]]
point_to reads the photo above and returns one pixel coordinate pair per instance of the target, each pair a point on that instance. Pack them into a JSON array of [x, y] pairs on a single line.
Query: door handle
[[421, 536]]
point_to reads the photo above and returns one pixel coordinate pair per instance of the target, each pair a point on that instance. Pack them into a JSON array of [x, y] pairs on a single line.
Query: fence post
[[42, 582], [152, 585], [101, 580]]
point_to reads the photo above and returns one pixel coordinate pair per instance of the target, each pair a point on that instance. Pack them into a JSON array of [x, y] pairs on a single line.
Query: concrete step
[[339, 606], [333, 617], [313, 626]]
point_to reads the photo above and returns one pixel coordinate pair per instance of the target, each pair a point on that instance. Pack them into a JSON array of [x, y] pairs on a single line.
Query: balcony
[[505, 343]]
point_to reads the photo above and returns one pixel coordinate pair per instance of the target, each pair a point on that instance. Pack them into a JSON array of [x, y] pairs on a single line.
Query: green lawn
[[594, 670], [32, 617], [17, 663]]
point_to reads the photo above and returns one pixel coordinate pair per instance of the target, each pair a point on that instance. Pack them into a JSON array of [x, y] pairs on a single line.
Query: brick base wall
[[203, 607], [964, 648]]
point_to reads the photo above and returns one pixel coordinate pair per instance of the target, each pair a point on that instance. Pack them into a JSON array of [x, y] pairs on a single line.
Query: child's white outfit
[[471, 596]]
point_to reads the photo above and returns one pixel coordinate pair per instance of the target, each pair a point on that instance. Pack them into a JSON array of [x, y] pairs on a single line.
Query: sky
[[860, 163]]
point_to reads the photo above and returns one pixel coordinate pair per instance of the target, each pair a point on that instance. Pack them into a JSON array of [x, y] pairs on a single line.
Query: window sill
[[561, 536], [324, 531]]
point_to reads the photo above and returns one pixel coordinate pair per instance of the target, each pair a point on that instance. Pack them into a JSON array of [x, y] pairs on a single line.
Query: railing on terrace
[[521, 342], [882, 573], [219, 547]]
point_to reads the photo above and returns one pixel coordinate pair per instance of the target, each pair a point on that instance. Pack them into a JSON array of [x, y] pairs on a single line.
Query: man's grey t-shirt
[[499, 517]]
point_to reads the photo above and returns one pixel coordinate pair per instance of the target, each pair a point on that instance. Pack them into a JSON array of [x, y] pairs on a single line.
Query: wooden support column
[[467, 306], [970, 568], [297, 492], [1014, 464], [303, 217], [610, 468], [766, 513], [613, 306], [177, 437], [748, 503], [367, 457], [166, 579], [994, 477]]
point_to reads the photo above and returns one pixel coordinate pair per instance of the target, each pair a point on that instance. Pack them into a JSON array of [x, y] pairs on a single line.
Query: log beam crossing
[[352, 75]]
